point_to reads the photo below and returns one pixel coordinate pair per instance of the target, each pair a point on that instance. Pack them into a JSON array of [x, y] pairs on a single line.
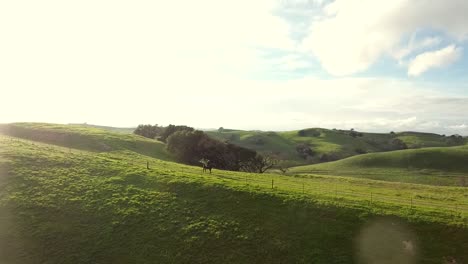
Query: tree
[[171, 129], [259, 164], [328, 157], [191, 147], [283, 169], [304, 150], [148, 131], [183, 144], [455, 140], [221, 129], [396, 144], [360, 151]]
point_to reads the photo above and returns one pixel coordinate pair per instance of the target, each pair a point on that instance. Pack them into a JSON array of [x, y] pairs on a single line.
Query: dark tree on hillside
[[304, 150], [170, 129], [328, 157], [183, 145], [283, 169], [192, 146], [397, 144], [455, 140], [360, 151], [354, 133], [259, 164], [148, 131]]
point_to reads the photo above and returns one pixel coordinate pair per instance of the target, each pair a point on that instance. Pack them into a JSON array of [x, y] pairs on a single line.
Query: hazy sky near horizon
[[272, 65]]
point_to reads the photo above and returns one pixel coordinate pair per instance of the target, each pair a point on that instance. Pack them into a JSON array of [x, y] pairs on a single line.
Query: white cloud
[[415, 45], [433, 59], [356, 33]]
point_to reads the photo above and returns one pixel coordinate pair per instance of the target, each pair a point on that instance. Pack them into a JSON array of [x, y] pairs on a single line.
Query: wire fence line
[[338, 192], [429, 173]]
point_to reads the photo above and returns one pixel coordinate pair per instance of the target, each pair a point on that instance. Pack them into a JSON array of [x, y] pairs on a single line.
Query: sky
[[271, 65]]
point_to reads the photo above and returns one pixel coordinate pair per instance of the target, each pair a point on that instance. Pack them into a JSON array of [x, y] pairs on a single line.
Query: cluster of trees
[[149, 131], [190, 146], [455, 140], [159, 132], [397, 144], [304, 150], [353, 133]]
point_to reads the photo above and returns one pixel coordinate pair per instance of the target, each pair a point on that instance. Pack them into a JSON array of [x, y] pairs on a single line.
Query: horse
[[207, 167]]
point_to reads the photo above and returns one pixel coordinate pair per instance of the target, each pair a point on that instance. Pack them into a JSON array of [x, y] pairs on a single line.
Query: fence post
[[303, 187], [411, 207], [147, 165], [371, 199], [271, 183]]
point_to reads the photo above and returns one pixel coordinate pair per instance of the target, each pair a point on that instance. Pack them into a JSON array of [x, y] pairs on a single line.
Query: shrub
[[304, 150]]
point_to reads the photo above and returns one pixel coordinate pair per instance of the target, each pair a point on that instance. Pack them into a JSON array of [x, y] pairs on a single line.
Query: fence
[[343, 195]]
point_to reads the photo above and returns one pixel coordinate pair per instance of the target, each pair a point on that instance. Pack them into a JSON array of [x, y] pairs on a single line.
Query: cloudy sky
[[273, 65]]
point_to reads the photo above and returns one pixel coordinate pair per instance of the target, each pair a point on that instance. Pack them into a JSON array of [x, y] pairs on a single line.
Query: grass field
[[86, 137], [66, 205], [324, 141], [437, 166]]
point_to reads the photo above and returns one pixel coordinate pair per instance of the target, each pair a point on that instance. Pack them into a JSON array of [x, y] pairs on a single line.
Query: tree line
[[192, 147]]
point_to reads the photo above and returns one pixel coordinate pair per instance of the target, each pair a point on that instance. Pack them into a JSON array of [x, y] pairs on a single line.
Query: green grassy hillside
[[335, 144], [442, 165], [86, 137], [65, 205], [127, 130]]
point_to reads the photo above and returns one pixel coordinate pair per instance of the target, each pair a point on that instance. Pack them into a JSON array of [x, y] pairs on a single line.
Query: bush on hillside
[[304, 150], [171, 129], [355, 133], [148, 131], [397, 144], [360, 151], [455, 140], [328, 157]]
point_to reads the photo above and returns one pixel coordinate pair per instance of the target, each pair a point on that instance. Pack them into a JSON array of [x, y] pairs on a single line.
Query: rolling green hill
[[326, 144], [86, 137], [127, 130], [439, 165], [60, 204]]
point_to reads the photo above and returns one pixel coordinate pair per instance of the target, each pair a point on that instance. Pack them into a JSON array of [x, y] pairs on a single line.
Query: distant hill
[[109, 128], [326, 144], [293, 148], [443, 165]]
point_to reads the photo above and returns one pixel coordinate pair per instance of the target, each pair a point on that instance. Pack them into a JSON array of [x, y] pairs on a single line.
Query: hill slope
[[62, 206], [326, 144], [86, 137], [449, 164]]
